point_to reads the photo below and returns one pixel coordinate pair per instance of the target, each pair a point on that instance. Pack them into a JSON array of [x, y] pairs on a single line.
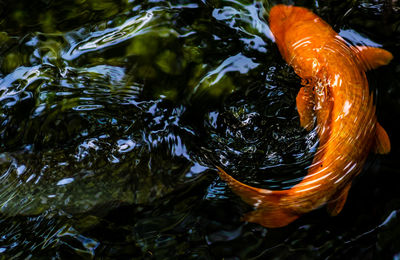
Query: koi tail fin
[[270, 217], [269, 210]]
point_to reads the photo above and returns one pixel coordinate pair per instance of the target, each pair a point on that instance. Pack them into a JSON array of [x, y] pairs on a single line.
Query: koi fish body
[[335, 97]]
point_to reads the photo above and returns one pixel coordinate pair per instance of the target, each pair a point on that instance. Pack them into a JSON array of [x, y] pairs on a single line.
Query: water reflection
[[82, 42], [113, 114]]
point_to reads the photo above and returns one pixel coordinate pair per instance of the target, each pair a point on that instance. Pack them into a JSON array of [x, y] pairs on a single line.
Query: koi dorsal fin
[[305, 107], [382, 141], [372, 57]]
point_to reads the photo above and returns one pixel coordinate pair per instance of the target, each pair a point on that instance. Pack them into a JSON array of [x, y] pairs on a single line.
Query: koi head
[[291, 24], [279, 20], [282, 17], [279, 14]]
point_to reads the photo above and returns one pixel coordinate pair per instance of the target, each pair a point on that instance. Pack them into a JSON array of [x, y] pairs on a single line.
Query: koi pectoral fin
[[372, 58], [334, 207], [382, 141], [305, 105], [270, 217]]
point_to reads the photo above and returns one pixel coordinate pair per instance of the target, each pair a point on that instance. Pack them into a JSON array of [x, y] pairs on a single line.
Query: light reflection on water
[[111, 126]]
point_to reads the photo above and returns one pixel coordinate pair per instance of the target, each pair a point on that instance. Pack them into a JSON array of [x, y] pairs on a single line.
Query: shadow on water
[[113, 114]]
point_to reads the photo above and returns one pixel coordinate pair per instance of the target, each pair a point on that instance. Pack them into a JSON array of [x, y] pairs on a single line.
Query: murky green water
[[113, 113]]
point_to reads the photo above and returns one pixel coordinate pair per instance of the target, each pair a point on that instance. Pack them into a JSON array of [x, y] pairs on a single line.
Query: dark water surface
[[113, 113]]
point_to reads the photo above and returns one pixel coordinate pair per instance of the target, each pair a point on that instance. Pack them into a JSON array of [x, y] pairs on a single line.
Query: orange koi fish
[[336, 98]]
